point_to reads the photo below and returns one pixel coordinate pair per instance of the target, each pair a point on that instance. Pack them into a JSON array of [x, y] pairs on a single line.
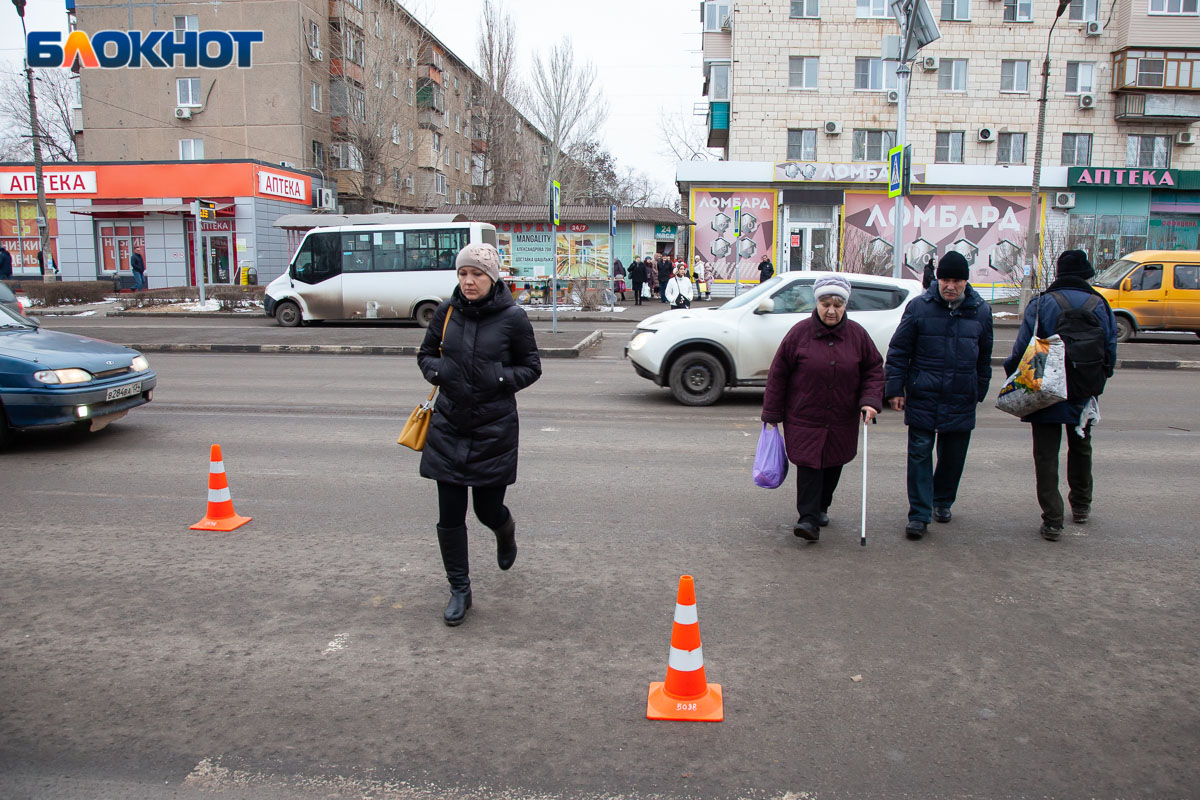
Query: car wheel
[[288, 315], [697, 378], [1125, 329], [424, 314]]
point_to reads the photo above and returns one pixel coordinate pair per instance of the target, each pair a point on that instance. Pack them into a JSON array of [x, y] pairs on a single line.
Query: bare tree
[[566, 102], [55, 90], [682, 138], [495, 120]]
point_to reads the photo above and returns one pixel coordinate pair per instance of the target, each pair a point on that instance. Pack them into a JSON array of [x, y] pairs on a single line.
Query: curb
[[590, 340]]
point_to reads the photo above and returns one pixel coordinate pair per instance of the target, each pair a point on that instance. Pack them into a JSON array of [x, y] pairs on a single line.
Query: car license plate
[[128, 390]]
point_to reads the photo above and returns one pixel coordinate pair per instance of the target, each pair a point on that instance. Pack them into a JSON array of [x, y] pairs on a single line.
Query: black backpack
[[1086, 345]]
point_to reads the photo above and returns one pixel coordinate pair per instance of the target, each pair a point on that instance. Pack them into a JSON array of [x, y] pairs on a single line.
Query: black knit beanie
[[953, 267]]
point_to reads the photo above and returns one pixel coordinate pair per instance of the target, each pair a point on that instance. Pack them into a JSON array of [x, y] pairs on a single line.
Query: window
[[356, 252], [187, 92], [716, 15], [1146, 278], [395, 133], [457, 124], [395, 84], [1178, 7], [412, 92], [952, 75], [874, 74], [410, 184], [1010, 148], [872, 9], [320, 258], [1077, 150], [189, 22], [344, 155], [396, 179], [118, 240], [1151, 71], [355, 47], [440, 186], [802, 9], [412, 141], [956, 10], [1018, 10], [802, 144], [318, 154], [315, 92], [1147, 150], [1014, 76], [950, 147], [457, 160], [1187, 276], [314, 35], [874, 298], [795, 298], [718, 84], [872, 145], [802, 72], [1084, 10], [1081, 77], [191, 149], [447, 153], [437, 143]]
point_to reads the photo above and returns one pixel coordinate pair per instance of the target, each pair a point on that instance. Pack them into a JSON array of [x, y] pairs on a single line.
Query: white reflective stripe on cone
[[217, 466], [686, 615], [219, 495], [686, 660]]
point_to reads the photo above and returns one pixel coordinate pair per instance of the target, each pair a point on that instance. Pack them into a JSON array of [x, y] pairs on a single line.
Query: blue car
[[53, 378]]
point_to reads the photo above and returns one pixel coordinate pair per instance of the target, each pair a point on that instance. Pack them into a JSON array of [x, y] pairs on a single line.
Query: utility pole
[[43, 227], [1032, 249]]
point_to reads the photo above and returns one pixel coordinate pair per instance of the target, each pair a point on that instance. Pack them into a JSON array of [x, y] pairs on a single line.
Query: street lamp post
[[43, 229], [1032, 254]]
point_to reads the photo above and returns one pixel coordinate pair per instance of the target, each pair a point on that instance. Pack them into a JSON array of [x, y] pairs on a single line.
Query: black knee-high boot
[[453, 544], [506, 542]]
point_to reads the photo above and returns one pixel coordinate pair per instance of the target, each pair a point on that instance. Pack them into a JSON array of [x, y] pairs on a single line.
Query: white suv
[[698, 352]]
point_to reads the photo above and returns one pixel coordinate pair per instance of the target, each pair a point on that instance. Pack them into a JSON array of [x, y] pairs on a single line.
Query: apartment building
[[355, 92], [803, 105]]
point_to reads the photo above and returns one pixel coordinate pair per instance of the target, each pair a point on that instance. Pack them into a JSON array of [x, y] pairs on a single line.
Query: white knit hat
[[831, 284], [481, 256]]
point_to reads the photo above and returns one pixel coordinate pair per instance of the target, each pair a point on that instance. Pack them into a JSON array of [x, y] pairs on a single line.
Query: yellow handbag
[[416, 428]]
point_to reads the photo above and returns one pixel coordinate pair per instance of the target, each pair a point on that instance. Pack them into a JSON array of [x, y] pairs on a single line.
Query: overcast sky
[[646, 53]]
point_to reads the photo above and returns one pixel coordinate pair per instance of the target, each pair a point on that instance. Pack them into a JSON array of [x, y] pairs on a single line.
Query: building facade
[[801, 97]]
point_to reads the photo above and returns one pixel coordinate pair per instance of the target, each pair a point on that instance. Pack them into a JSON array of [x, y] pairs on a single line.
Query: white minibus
[[372, 271]]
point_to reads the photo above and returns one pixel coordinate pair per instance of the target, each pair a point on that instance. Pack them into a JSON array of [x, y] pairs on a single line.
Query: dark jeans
[[814, 490], [1047, 439], [489, 505], [637, 293], [930, 487]]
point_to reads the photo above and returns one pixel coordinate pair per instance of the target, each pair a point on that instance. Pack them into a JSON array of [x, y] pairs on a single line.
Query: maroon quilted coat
[[821, 377]]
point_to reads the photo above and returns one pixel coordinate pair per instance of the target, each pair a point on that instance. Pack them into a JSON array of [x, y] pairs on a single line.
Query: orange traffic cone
[[220, 516], [685, 695]]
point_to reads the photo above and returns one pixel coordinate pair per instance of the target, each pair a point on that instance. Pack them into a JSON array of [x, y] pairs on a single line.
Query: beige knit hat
[[480, 256]]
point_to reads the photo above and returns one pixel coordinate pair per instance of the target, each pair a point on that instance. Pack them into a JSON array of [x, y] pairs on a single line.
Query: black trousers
[[1047, 440], [814, 490], [637, 292], [489, 505]]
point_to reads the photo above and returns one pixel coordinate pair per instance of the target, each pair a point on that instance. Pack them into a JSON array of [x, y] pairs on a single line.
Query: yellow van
[[1153, 290]]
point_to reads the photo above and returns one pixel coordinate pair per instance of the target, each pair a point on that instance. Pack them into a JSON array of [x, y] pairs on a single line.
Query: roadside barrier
[[220, 516], [686, 694]]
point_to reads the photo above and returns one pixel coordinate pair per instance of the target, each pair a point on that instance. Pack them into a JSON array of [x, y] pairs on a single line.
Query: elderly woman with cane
[[826, 376]]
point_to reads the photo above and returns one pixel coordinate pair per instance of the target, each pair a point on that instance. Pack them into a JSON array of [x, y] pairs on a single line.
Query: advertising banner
[[989, 230], [19, 233], [575, 250], [714, 243]]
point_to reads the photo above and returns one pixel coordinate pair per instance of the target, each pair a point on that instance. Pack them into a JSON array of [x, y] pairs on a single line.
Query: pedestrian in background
[[665, 270], [486, 355], [701, 273], [939, 364], [138, 265], [765, 268], [651, 275], [637, 277], [619, 278], [826, 376], [679, 289], [6, 271], [1074, 272]]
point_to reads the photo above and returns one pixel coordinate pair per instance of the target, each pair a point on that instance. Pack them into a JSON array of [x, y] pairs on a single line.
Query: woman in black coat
[[637, 277], [486, 356]]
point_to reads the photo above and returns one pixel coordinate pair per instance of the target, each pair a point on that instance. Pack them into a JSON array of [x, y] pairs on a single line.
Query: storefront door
[[216, 256], [808, 247]]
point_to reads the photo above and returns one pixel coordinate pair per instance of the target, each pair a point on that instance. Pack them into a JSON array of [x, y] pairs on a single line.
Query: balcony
[[340, 10], [431, 119], [718, 124], [478, 144], [1157, 108]]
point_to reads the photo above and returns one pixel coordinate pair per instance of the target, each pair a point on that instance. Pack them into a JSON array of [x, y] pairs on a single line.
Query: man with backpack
[[1081, 317]]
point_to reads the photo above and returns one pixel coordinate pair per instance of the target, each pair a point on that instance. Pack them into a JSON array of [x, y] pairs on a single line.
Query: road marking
[[338, 643]]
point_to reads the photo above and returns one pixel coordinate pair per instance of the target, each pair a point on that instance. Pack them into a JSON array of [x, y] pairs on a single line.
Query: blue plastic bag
[[770, 460]]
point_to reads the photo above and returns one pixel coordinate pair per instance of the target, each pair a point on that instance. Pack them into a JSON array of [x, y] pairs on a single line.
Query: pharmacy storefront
[[1116, 210], [100, 214]]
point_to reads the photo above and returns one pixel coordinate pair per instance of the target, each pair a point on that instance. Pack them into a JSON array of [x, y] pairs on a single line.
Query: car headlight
[[139, 364], [639, 340], [72, 375]]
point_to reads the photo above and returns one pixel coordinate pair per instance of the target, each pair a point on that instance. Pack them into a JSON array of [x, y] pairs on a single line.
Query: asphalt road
[[303, 656]]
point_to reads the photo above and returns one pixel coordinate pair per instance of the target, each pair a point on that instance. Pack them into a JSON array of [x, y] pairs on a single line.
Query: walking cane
[[863, 541]]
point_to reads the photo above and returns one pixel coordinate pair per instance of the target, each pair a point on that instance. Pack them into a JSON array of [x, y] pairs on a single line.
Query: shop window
[[874, 74], [1010, 148], [872, 145], [118, 240], [952, 75], [1084, 11], [805, 9], [1081, 77], [1148, 151], [802, 144], [191, 149], [1018, 10], [956, 10], [950, 147], [1014, 76], [187, 92], [802, 72], [1077, 150]]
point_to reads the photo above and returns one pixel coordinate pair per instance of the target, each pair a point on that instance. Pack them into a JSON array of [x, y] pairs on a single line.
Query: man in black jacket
[[664, 275], [138, 265], [765, 268], [5, 265]]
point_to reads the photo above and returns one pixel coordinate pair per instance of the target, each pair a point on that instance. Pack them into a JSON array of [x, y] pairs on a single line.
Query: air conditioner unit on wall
[[1087, 101], [893, 96], [1187, 137], [833, 128], [987, 134], [1093, 28], [1064, 199], [287, 164], [316, 54], [930, 63], [326, 199], [183, 113]]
